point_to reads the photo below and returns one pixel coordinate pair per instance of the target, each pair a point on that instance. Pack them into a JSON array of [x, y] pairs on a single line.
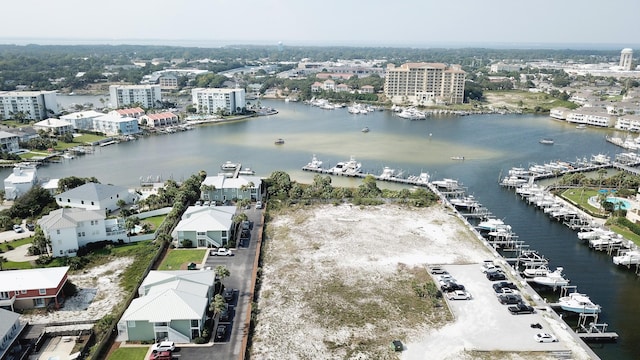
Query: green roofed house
[[172, 305]]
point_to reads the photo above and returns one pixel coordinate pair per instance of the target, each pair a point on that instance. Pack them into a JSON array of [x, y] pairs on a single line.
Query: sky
[[583, 24]]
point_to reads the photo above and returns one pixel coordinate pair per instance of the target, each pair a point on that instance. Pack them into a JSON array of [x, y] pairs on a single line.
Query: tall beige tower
[[626, 58]]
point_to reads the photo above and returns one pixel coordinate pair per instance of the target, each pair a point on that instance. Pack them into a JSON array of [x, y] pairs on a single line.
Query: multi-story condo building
[[212, 101], [34, 105], [146, 96], [424, 83]]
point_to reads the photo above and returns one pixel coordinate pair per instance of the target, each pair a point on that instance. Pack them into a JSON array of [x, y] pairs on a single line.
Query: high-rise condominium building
[[214, 100], [626, 58], [146, 96], [33, 105], [424, 83]]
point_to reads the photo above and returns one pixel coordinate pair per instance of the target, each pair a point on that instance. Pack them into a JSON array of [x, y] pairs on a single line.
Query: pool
[[619, 203]]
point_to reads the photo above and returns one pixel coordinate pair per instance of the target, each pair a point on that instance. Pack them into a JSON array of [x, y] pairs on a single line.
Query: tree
[[217, 305], [121, 204], [40, 243], [2, 261], [222, 272], [130, 224]]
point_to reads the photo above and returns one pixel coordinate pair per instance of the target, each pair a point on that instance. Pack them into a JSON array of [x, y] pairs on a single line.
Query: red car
[[160, 355]]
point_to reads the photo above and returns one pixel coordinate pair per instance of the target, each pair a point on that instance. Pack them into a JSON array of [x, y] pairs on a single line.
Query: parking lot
[[484, 324]]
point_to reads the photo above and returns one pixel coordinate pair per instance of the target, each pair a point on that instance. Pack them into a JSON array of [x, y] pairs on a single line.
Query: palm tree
[[221, 273], [218, 304], [2, 261]]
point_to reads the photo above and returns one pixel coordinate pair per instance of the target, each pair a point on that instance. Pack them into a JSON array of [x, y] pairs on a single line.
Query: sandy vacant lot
[[338, 284]]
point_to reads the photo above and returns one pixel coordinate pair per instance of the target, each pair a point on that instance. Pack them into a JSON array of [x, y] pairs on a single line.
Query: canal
[[490, 144]]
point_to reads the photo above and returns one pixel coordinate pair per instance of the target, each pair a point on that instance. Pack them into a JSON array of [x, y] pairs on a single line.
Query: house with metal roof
[[172, 305], [10, 329], [69, 229], [21, 180], [205, 226], [32, 288], [93, 196], [222, 188]]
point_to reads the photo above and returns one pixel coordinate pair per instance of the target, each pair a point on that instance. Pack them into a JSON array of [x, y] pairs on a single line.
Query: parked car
[[245, 234], [445, 278], [160, 355], [228, 294], [488, 266], [521, 308], [459, 295], [545, 338], [17, 228], [258, 204], [509, 299], [451, 286], [163, 346], [438, 271], [496, 275], [221, 332], [221, 252], [225, 313], [497, 287], [246, 225], [31, 226]]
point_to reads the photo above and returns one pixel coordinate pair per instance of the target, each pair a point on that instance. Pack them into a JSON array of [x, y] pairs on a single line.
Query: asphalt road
[[241, 268]]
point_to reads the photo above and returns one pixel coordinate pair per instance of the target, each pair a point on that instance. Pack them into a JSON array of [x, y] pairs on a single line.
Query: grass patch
[[128, 353], [87, 139], [580, 197], [628, 234], [16, 243], [155, 221], [526, 101], [14, 265], [177, 257]]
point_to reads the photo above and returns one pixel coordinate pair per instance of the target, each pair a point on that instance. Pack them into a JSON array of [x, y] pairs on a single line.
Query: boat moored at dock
[[578, 303]]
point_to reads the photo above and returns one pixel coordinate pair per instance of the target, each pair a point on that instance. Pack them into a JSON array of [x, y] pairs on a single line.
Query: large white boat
[[387, 173], [447, 184], [552, 278], [315, 164], [578, 303], [531, 258], [350, 167], [492, 225], [600, 159], [534, 271], [229, 166], [412, 114], [629, 258], [422, 179], [466, 202]]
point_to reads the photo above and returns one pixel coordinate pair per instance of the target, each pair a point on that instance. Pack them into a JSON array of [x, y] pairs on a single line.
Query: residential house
[[222, 188], [559, 113], [9, 142], [93, 196], [54, 126], [69, 229], [329, 85], [342, 88], [159, 120], [628, 123], [82, 120], [205, 226], [10, 329], [135, 112], [316, 86], [21, 180], [591, 116], [32, 288], [172, 305], [366, 89]]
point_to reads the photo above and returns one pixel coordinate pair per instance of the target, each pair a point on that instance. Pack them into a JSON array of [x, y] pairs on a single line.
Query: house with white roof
[[109, 124], [32, 288], [171, 305], [223, 188], [21, 180], [69, 229], [93, 196], [205, 226], [10, 329], [54, 126]]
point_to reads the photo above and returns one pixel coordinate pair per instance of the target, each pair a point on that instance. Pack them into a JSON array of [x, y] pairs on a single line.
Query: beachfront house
[[32, 288], [69, 229], [93, 196], [54, 126], [172, 305], [204, 226], [9, 142], [222, 188]]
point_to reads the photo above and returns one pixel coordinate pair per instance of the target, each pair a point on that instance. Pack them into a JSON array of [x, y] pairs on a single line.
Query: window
[[42, 291], [194, 323], [58, 232], [92, 203], [39, 302], [131, 323], [23, 291], [82, 202]]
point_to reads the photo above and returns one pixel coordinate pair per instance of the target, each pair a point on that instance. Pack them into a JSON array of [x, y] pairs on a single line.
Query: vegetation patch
[[178, 259], [128, 353]]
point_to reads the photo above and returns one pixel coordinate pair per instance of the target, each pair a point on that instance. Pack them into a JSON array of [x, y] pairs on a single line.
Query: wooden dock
[[412, 180]]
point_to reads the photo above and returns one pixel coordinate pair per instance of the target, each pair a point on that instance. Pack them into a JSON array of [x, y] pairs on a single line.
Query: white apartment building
[[424, 83], [590, 116], [626, 59], [628, 123], [213, 100], [144, 95], [109, 124], [35, 105]]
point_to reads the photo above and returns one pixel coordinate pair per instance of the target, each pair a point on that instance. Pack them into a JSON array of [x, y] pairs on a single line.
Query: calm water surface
[[491, 144]]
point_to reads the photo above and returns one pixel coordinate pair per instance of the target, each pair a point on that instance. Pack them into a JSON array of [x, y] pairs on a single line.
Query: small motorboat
[[457, 158], [279, 142], [365, 129], [546, 141]]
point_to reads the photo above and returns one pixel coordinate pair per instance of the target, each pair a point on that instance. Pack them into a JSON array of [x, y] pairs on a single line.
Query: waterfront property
[[172, 305], [9, 142], [214, 100], [34, 105], [10, 329], [68, 229], [159, 120], [205, 226], [32, 288], [222, 188], [93, 196], [21, 180], [147, 96], [54, 126], [424, 83], [108, 124]]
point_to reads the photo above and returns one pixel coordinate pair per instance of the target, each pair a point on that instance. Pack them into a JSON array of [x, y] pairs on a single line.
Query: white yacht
[[448, 184], [492, 225], [533, 271], [552, 278], [229, 166], [467, 202], [350, 167], [600, 159], [578, 303], [387, 173], [315, 164], [531, 258], [629, 258], [412, 114]]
